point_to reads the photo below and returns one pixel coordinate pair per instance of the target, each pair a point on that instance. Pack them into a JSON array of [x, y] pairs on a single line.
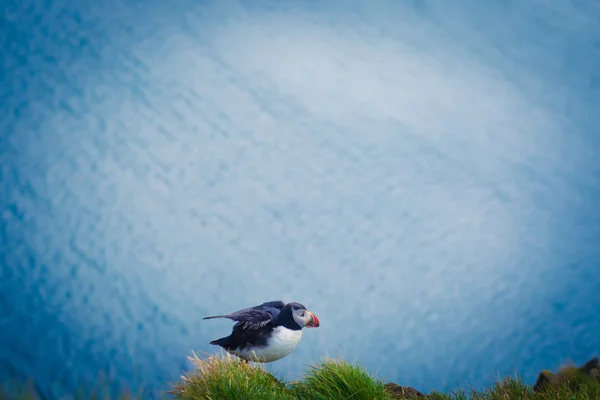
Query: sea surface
[[423, 175]]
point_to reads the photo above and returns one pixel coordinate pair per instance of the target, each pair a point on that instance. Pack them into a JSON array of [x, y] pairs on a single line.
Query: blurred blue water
[[423, 177]]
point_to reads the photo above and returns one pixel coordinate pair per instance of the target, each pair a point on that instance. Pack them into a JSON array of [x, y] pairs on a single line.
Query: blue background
[[424, 176]]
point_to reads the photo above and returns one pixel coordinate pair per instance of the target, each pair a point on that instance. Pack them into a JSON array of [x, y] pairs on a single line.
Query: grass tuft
[[226, 377], [339, 380]]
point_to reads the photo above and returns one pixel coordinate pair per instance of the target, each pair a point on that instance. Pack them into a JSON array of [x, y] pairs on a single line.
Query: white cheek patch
[[299, 320]]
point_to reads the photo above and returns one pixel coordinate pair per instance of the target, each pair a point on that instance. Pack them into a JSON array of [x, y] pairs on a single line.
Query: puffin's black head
[[295, 316]]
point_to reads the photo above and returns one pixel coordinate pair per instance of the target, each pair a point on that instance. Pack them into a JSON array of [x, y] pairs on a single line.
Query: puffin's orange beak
[[313, 322]]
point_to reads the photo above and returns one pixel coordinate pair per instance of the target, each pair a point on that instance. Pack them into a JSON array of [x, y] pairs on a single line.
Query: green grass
[[225, 377], [339, 380], [515, 388]]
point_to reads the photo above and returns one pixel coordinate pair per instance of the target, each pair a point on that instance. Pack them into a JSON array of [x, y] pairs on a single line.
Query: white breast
[[280, 344]]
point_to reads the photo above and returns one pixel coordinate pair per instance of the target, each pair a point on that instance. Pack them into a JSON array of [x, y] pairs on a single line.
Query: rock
[[592, 367], [545, 379], [587, 374], [403, 392]]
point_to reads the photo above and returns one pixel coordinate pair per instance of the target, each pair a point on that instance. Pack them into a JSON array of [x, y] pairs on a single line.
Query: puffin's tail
[[223, 342], [218, 316]]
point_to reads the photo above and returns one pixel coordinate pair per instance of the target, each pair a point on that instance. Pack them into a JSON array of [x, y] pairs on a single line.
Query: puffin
[[267, 332]]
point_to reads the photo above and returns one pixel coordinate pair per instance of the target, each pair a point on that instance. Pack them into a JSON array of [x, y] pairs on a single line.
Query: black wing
[[254, 317]]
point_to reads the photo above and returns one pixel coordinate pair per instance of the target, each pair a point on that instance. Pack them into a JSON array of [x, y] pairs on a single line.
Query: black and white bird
[[266, 332]]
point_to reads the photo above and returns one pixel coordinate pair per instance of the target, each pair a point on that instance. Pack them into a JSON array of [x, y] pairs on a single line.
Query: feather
[[254, 317]]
